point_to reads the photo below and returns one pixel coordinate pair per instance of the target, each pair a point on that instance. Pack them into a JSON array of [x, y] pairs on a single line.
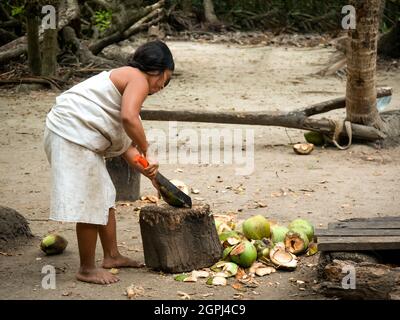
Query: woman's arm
[[132, 99], [129, 156]]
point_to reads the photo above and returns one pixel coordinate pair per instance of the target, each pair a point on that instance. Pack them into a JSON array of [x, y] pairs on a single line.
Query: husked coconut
[[53, 244]]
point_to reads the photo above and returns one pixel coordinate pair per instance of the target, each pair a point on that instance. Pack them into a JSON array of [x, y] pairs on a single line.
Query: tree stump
[[126, 179], [179, 239], [12, 226]]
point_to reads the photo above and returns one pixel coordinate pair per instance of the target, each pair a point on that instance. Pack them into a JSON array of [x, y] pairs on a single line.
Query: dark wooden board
[[348, 232], [358, 243], [366, 224]]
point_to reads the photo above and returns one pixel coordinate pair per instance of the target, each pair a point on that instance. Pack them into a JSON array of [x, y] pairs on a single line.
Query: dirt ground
[[326, 186]]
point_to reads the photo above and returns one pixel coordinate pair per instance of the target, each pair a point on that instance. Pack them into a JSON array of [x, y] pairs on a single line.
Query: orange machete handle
[[141, 160]]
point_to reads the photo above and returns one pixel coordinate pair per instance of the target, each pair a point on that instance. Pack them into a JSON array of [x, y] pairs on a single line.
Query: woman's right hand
[[152, 169]]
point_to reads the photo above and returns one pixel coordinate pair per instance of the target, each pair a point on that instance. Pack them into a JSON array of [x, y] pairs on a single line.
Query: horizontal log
[[338, 103], [45, 81], [288, 120]]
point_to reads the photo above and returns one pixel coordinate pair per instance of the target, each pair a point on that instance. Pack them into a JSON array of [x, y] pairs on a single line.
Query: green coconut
[[296, 242], [244, 254], [262, 247], [256, 228], [315, 138], [303, 225], [53, 244], [278, 233]]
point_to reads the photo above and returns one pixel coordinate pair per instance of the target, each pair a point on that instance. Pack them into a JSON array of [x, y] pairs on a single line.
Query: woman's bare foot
[[121, 261], [96, 275]]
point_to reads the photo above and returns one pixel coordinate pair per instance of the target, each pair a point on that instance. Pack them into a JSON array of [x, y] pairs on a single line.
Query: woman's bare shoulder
[[124, 75]]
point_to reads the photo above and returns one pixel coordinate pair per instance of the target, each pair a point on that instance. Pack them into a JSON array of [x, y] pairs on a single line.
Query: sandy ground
[[326, 186]]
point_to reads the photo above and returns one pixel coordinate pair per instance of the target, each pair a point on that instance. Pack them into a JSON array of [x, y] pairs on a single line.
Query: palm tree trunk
[[209, 12], [32, 26], [361, 64]]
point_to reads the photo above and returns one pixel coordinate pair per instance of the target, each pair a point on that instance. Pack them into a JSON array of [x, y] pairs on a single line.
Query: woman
[[96, 119]]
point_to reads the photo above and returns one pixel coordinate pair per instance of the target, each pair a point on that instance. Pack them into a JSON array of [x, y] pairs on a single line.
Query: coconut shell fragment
[[303, 148], [281, 258], [263, 271]]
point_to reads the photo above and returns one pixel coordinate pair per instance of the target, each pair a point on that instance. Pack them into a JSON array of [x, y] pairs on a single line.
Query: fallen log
[[337, 103], [296, 121], [39, 80], [371, 281]]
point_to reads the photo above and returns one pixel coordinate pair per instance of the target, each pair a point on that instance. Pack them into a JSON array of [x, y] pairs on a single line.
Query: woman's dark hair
[[152, 56]]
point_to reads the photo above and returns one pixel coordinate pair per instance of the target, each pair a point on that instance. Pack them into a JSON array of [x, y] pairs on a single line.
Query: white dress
[[82, 129]]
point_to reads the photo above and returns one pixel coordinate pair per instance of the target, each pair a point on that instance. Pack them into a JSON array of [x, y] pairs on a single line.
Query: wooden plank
[[348, 232], [358, 243], [387, 218], [394, 224]]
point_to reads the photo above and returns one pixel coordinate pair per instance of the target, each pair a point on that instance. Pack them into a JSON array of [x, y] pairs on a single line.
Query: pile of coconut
[[256, 248]]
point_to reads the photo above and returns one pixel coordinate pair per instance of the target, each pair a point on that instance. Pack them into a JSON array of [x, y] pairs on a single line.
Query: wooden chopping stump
[[179, 239]]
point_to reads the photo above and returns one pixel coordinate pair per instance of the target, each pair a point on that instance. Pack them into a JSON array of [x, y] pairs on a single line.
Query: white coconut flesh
[[283, 258], [303, 148], [219, 281], [264, 271]]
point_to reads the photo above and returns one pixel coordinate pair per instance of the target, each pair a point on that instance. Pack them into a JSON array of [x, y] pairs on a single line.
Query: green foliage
[[287, 15], [102, 19], [17, 10]]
